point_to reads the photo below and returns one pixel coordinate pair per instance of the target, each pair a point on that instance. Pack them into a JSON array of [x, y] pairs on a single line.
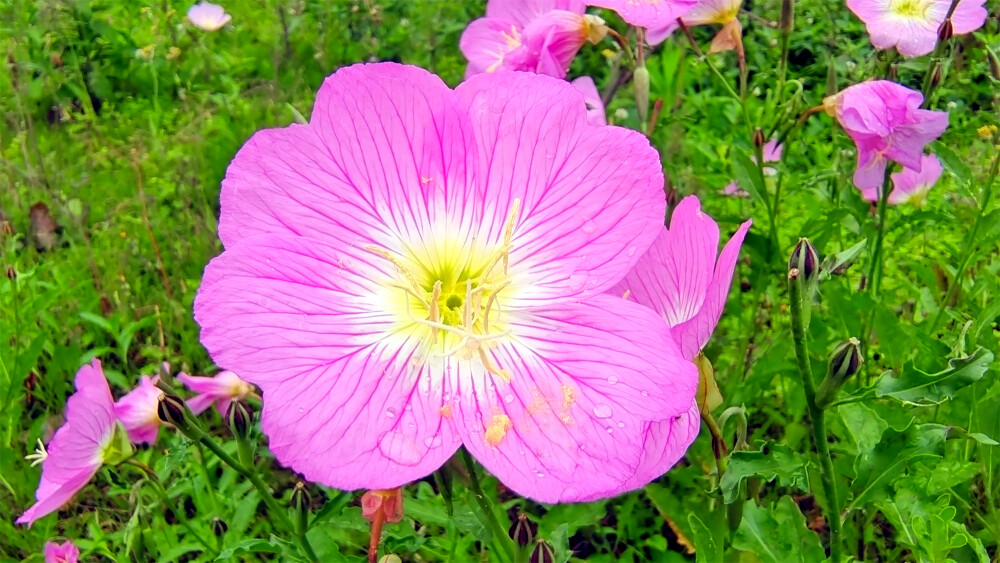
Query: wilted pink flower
[[221, 390], [707, 12], [137, 411], [540, 36], [911, 26], [685, 280], [592, 99], [420, 268], [885, 121], [81, 445], [772, 153], [909, 185], [61, 553], [208, 16]]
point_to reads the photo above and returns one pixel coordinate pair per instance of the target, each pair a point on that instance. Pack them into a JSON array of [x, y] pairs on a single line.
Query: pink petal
[[347, 401], [969, 16], [592, 99], [657, 35], [61, 553], [665, 444], [909, 183], [383, 155], [908, 141], [713, 11], [137, 410], [648, 13], [554, 40], [523, 12], [57, 494], [591, 198], [585, 378], [870, 172], [486, 42]]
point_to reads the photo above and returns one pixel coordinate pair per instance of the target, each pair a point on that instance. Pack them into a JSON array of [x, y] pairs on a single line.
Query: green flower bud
[[239, 418], [640, 85], [845, 361], [805, 260], [542, 553], [523, 530], [219, 527], [171, 409]]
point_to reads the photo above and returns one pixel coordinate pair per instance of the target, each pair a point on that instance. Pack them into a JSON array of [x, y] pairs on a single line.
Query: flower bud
[[640, 85], [845, 361], [804, 259], [946, 30], [219, 527], [787, 21], [936, 74], [893, 73], [239, 418], [390, 558], [301, 499], [758, 138], [11, 273], [994, 64], [523, 530], [171, 409], [542, 553]]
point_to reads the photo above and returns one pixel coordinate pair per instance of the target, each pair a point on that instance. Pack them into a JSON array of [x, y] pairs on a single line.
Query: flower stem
[[484, 504], [816, 414], [875, 268], [165, 498]]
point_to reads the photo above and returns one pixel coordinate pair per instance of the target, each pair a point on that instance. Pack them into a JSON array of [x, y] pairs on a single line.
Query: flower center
[[910, 8], [457, 306]]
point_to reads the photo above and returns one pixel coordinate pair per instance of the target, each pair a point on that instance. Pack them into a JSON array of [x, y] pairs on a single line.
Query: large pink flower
[[219, 390], [909, 185], [911, 26], [61, 553], [137, 411], [420, 268], [539, 36], [885, 121], [685, 280], [651, 14], [80, 446]]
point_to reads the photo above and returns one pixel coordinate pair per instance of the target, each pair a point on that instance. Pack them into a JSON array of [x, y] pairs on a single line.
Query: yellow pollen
[[497, 429], [910, 8], [627, 294], [569, 397], [446, 411]]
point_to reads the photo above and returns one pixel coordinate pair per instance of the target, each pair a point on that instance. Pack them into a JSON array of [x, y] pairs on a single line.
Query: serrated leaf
[[777, 534], [707, 550], [877, 469], [864, 425], [773, 461], [748, 175], [916, 387]]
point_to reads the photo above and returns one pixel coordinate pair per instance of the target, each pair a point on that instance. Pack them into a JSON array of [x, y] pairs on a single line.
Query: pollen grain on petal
[[497, 429]]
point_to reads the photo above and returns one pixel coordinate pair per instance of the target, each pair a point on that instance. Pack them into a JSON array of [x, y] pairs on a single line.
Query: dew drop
[[589, 227], [577, 280], [610, 430], [645, 394], [408, 407], [621, 424], [508, 397], [612, 379], [540, 474], [631, 251], [390, 412], [602, 411]]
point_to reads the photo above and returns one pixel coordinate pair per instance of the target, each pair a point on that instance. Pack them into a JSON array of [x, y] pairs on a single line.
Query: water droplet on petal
[[621, 424], [589, 227], [612, 379], [610, 430], [390, 412], [645, 394], [508, 397], [577, 280], [540, 474], [602, 411], [632, 250]]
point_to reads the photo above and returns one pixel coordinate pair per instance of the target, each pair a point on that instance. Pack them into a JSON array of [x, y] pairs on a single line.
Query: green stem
[[875, 268], [484, 504], [209, 484], [165, 497], [968, 247], [816, 414]]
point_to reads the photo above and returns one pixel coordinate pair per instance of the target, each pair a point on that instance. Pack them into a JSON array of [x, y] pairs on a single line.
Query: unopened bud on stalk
[[804, 259], [936, 74], [994, 64], [239, 418], [787, 21], [219, 527], [758, 138], [845, 361], [542, 553], [11, 273], [301, 499], [171, 409], [523, 530], [640, 85], [946, 30]]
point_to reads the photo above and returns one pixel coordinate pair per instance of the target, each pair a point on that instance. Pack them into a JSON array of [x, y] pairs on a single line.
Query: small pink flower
[[208, 16], [80, 446], [420, 268], [885, 121], [540, 36], [61, 553], [909, 185], [592, 98], [772, 153], [707, 12], [137, 411], [685, 280], [220, 390], [911, 26]]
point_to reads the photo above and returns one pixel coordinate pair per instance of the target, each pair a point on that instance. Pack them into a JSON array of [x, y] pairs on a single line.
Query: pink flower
[[910, 186], [137, 411], [651, 14], [221, 390], [61, 553], [420, 268], [683, 280], [885, 121], [208, 16], [86, 441], [707, 12], [772, 153], [592, 100], [540, 36], [911, 26]]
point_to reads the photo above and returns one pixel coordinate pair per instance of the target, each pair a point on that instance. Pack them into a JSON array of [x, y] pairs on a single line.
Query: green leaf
[[777, 534], [916, 387], [840, 261], [773, 461], [707, 550], [864, 425], [253, 545], [748, 175], [877, 469], [953, 163]]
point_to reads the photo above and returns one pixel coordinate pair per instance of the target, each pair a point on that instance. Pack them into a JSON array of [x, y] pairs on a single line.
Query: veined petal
[[57, 494], [665, 444], [585, 378], [523, 12], [384, 155], [591, 198], [487, 41], [648, 13], [348, 399]]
